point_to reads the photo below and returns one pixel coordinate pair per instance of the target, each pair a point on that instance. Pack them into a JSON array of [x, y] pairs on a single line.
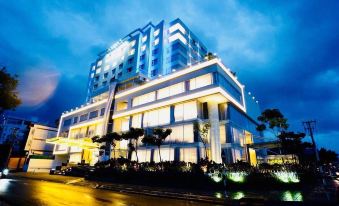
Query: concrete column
[[214, 132]]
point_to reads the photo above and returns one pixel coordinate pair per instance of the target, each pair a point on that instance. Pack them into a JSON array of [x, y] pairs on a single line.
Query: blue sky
[[285, 52]]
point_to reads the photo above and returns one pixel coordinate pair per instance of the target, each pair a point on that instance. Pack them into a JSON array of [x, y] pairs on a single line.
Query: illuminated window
[[185, 111], [176, 27], [157, 117], [93, 68], [156, 41], [131, 52], [122, 105], [132, 43], [167, 154], [92, 75], [93, 114], [143, 99], [136, 120], [143, 47], [106, 68], [188, 155], [171, 90], [144, 155], [222, 131], [98, 70], [144, 39], [114, 64], [121, 124], [177, 36], [99, 63], [156, 33], [200, 81]]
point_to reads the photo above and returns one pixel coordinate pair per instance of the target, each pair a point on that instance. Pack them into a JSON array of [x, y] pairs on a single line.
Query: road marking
[[74, 181]]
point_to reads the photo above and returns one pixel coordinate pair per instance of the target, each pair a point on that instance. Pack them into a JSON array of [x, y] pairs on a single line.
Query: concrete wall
[[41, 165]]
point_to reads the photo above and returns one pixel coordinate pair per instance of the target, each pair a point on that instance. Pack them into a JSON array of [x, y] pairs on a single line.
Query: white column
[[214, 132]]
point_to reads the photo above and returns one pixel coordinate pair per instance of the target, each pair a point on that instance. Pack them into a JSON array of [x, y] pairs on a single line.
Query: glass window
[[171, 90], [200, 81], [83, 117], [136, 120], [131, 52], [182, 133], [143, 47], [67, 122], [167, 154], [132, 43], [122, 105], [102, 112], [99, 63], [75, 120], [188, 155], [143, 99], [185, 111], [156, 41], [156, 32], [144, 39], [98, 70], [157, 117], [93, 114], [106, 68]]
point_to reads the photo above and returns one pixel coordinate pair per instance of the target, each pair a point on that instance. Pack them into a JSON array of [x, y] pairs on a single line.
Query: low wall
[[41, 165]]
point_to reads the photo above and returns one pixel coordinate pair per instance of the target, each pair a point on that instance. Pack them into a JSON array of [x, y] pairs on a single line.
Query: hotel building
[[157, 76]]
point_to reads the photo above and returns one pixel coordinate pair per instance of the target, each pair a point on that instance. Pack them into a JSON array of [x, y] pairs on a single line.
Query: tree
[[291, 142], [202, 130], [273, 120], [133, 135], [109, 139], [327, 156], [209, 56], [9, 98], [157, 137]]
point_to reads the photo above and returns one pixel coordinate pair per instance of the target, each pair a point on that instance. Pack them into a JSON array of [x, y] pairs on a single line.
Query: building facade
[[166, 82]]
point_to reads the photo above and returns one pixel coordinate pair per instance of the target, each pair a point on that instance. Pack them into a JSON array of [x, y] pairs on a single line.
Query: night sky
[[286, 53]]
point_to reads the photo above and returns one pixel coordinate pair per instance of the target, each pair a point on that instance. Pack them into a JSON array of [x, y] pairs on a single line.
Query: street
[[37, 192]]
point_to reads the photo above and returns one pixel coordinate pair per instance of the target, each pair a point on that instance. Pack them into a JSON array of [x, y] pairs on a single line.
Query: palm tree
[[109, 139], [133, 135], [157, 137]]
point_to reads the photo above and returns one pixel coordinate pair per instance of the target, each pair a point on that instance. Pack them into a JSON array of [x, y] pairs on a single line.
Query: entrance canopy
[[84, 143]]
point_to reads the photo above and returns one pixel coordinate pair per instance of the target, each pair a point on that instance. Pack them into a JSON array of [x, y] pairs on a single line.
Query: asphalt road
[[35, 192]]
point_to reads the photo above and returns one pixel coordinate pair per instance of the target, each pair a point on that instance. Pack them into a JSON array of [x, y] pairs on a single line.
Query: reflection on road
[[32, 192]]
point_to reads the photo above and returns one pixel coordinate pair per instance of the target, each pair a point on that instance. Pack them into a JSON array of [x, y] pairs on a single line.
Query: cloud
[[37, 85]]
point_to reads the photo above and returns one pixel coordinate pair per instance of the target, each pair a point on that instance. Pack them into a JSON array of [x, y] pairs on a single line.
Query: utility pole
[[309, 127]]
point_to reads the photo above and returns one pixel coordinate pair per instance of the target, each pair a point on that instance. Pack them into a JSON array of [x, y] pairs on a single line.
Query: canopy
[[84, 143]]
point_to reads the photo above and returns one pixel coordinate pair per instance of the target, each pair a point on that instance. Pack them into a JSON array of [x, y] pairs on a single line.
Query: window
[[171, 90], [67, 122], [156, 32], [188, 155], [154, 72], [119, 74], [129, 69], [156, 42], [131, 52], [93, 67], [142, 66], [136, 121], [104, 83], [99, 63], [144, 39], [96, 78], [176, 37], [204, 110], [132, 43], [130, 60], [92, 75], [222, 111], [157, 117], [201, 81], [154, 62], [83, 117], [176, 27], [143, 99], [143, 47], [95, 86], [98, 70], [142, 57], [121, 65], [113, 71], [185, 111], [102, 112], [154, 52], [181, 133], [122, 105], [93, 114], [105, 75], [167, 154], [75, 120]]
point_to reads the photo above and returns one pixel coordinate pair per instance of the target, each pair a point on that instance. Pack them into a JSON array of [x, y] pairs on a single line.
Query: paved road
[[35, 192]]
